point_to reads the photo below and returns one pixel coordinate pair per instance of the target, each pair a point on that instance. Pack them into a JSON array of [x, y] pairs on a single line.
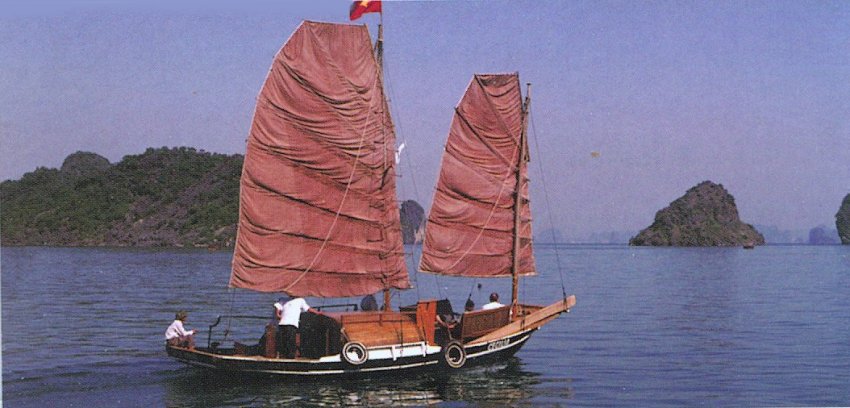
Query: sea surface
[[677, 327]]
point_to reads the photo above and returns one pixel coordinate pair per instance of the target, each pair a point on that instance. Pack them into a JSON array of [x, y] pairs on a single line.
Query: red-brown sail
[[470, 229], [318, 214]]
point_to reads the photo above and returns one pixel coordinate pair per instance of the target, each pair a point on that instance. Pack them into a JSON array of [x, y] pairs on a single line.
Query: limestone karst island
[[182, 197], [842, 221], [705, 216]]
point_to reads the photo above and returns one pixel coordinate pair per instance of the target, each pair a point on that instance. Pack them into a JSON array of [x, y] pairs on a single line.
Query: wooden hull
[[496, 346], [334, 365]]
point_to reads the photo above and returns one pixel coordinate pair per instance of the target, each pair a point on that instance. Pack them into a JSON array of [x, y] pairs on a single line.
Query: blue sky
[[754, 95]]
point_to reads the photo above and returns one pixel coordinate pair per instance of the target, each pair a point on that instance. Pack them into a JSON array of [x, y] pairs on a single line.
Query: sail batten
[[318, 209], [472, 222]]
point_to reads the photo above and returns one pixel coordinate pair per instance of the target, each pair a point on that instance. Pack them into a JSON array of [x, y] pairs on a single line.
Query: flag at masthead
[[361, 7]]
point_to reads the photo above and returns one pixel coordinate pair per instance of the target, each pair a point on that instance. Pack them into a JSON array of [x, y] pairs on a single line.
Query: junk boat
[[319, 217]]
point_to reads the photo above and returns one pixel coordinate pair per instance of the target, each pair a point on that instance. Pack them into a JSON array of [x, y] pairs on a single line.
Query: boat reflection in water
[[505, 383]]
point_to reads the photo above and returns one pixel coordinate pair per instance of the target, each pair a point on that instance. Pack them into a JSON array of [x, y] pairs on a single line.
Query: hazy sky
[[754, 95]]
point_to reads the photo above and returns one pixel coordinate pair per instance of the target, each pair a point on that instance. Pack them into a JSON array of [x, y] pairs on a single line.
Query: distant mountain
[[774, 235], [550, 236], [162, 197], [609, 237], [821, 235], [705, 216]]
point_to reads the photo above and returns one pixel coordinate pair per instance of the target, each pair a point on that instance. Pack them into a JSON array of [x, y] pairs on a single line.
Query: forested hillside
[[162, 197]]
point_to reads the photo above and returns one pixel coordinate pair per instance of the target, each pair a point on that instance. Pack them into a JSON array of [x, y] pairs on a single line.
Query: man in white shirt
[[494, 302], [178, 336], [289, 315]]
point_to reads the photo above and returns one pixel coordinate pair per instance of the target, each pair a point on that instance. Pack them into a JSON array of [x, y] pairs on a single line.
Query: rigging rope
[[229, 313], [548, 205], [344, 195], [388, 86]]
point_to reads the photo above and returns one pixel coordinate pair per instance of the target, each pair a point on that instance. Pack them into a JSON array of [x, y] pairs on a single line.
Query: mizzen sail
[[471, 226], [318, 214]]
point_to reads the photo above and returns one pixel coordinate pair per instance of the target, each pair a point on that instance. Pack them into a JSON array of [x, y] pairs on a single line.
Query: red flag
[[361, 7]]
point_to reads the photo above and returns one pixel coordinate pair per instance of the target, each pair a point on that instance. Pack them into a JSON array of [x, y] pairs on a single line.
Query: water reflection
[[503, 384]]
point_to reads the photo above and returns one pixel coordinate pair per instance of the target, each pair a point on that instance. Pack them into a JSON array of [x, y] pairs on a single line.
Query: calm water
[[653, 326]]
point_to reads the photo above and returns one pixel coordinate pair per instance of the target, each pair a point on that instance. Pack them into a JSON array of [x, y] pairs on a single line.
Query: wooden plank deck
[[381, 328]]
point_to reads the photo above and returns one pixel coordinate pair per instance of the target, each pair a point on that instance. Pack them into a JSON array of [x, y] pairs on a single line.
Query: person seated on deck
[[369, 304], [453, 322], [289, 315], [176, 335], [469, 306], [446, 322], [451, 319], [494, 302], [447, 318]]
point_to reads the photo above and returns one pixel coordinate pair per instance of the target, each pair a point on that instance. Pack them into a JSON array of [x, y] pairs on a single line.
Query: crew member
[[289, 315], [369, 304], [494, 302], [178, 336]]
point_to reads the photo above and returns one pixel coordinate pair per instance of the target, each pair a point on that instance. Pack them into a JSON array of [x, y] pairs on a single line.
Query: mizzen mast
[[379, 57], [521, 163]]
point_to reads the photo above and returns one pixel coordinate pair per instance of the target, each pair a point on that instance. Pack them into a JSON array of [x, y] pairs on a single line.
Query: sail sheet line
[[509, 171], [489, 230], [485, 195], [261, 230], [276, 190], [487, 222], [357, 98], [309, 133], [345, 195], [326, 99]]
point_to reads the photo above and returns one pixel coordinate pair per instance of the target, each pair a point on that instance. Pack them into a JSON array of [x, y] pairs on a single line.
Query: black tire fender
[[354, 353], [453, 355]]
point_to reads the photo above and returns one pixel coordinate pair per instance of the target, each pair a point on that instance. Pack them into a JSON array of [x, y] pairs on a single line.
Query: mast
[[379, 49], [523, 159], [379, 56]]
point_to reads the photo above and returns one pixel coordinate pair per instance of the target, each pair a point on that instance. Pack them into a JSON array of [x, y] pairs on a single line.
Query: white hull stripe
[[498, 349], [520, 333], [376, 353], [316, 372]]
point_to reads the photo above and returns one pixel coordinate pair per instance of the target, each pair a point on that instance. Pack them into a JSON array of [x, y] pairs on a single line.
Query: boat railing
[[337, 306], [266, 318], [218, 320]]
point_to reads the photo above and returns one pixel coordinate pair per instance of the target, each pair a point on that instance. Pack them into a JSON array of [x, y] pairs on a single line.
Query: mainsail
[[471, 226], [318, 214]]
